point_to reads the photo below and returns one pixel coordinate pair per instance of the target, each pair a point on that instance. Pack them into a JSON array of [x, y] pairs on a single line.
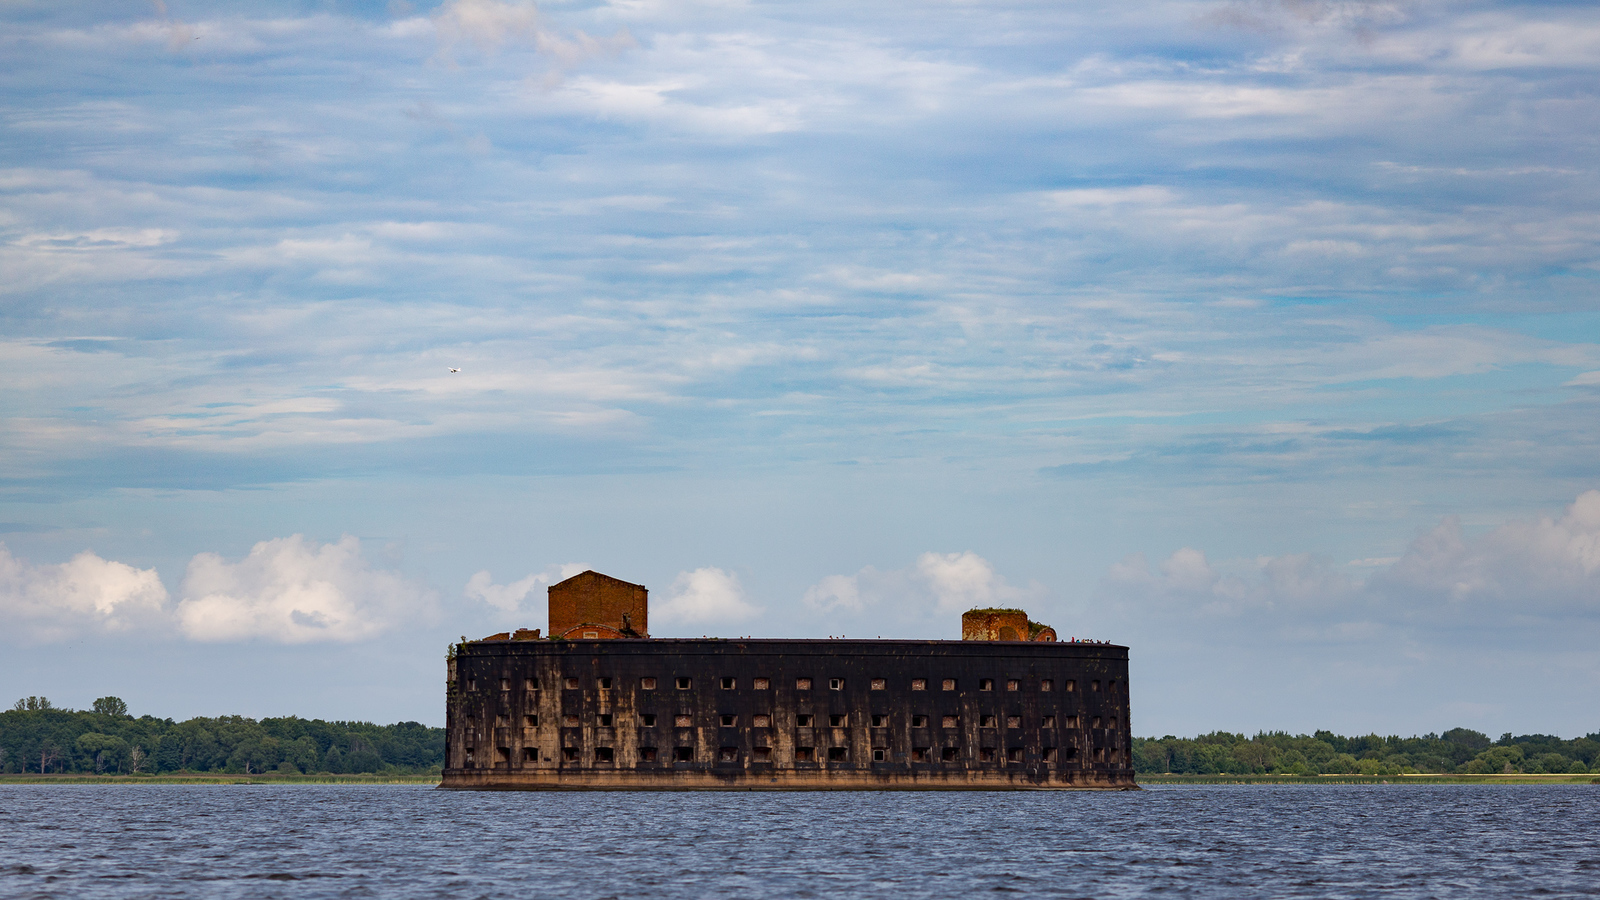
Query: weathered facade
[[712, 714]]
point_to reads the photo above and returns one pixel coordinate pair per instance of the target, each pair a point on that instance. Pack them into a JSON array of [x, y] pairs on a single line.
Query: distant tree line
[[35, 736], [1457, 751]]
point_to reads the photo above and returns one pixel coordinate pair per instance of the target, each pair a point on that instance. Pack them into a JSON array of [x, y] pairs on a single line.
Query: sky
[[1261, 336]]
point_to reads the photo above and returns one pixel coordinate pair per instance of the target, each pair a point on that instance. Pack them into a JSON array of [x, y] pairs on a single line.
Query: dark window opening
[[919, 754], [985, 684], [605, 720], [531, 721], [986, 754], [1046, 686], [762, 754], [1013, 685], [879, 754], [802, 684], [572, 684], [838, 754], [805, 754], [728, 684], [919, 721], [949, 684], [505, 684], [683, 684], [1097, 721], [835, 684], [950, 754], [727, 754], [569, 754], [760, 684], [683, 754], [729, 721], [988, 722], [1072, 685], [1072, 753], [803, 721], [1049, 754], [1113, 722], [604, 755], [649, 720], [1072, 721], [504, 754], [1014, 754], [500, 721], [530, 754], [605, 684], [647, 754], [880, 684], [880, 721], [682, 721], [1013, 721], [1049, 721], [838, 721], [1099, 754], [950, 721], [919, 684], [531, 684], [648, 684]]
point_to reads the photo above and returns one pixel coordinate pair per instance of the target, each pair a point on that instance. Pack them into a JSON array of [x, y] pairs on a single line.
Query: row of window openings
[[684, 683], [809, 754], [648, 720]]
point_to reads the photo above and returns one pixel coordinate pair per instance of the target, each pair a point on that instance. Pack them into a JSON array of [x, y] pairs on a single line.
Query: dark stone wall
[[547, 713]]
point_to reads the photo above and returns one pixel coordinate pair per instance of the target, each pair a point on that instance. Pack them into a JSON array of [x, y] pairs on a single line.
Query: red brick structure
[[1003, 625], [592, 606]]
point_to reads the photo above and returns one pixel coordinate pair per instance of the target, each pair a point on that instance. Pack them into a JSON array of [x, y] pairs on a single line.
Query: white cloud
[[933, 591], [509, 597], [491, 24], [703, 597], [85, 595], [293, 591]]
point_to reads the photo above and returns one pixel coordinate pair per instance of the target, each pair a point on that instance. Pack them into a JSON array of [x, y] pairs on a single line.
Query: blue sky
[[1260, 336]]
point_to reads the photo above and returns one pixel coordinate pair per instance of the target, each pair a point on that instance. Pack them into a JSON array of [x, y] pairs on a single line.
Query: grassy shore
[[179, 778], [1369, 779]]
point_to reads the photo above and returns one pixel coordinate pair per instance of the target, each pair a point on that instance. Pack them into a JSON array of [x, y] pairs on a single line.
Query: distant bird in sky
[[455, 370]]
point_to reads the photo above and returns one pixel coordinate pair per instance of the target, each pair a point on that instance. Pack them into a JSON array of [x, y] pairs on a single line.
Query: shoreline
[[209, 778], [1420, 778], [213, 779]]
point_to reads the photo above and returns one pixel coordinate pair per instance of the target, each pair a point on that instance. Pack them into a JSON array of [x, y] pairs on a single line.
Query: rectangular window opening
[[572, 684], [988, 722], [1049, 722], [880, 754], [530, 754], [1046, 686], [803, 720], [500, 721], [569, 754], [838, 754], [761, 754], [760, 684], [919, 754], [728, 684], [683, 683], [1049, 754], [880, 684], [682, 721], [1014, 754], [802, 684], [838, 721], [950, 722], [727, 754], [950, 754], [531, 684], [569, 722], [1013, 721], [605, 684], [986, 754], [647, 683], [880, 721], [604, 755], [647, 754], [605, 720], [949, 684], [1072, 685], [505, 684], [1071, 753], [919, 721], [760, 721], [504, 753], [730, 721], [919, 684], [835, 684], [531, 721], [985, 684], [805, 754], [683, 754], [1013, 685], [1094, 686], [649, 720]]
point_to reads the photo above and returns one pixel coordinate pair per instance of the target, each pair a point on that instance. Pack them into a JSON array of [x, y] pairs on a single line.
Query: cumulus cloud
[[705, 596], [292, 590], [1522, 572], [939, 586], [509, 597], [85, 595]]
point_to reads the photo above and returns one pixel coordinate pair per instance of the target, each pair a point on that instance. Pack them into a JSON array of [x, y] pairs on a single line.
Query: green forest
[[37, 737], [1458, 751]]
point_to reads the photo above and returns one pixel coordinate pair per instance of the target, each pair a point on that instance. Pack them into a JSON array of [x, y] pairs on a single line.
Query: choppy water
[[1214, 841]]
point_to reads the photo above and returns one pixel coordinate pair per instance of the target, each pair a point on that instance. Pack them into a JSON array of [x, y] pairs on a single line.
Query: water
[[119, 841]]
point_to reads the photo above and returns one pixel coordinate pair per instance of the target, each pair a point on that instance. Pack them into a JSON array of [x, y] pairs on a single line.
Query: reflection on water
[[120, 841]]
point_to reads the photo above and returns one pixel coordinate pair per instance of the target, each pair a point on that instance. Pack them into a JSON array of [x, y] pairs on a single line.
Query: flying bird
[[455, 370]]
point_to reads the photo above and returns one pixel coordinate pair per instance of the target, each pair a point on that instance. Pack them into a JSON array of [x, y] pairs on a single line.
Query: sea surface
[[256, 841]]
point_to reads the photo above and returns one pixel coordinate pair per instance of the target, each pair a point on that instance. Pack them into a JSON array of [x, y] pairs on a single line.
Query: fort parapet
[[597, 712]]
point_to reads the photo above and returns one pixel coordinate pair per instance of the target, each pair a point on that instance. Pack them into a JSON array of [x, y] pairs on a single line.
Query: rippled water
[[121, 841]]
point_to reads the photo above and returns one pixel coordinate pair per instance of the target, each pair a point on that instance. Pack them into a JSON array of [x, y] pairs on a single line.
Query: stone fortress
[[599, 704]]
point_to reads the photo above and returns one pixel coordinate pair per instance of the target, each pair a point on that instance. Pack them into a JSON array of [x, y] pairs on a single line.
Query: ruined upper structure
[[1003, 625], [594, 606]]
